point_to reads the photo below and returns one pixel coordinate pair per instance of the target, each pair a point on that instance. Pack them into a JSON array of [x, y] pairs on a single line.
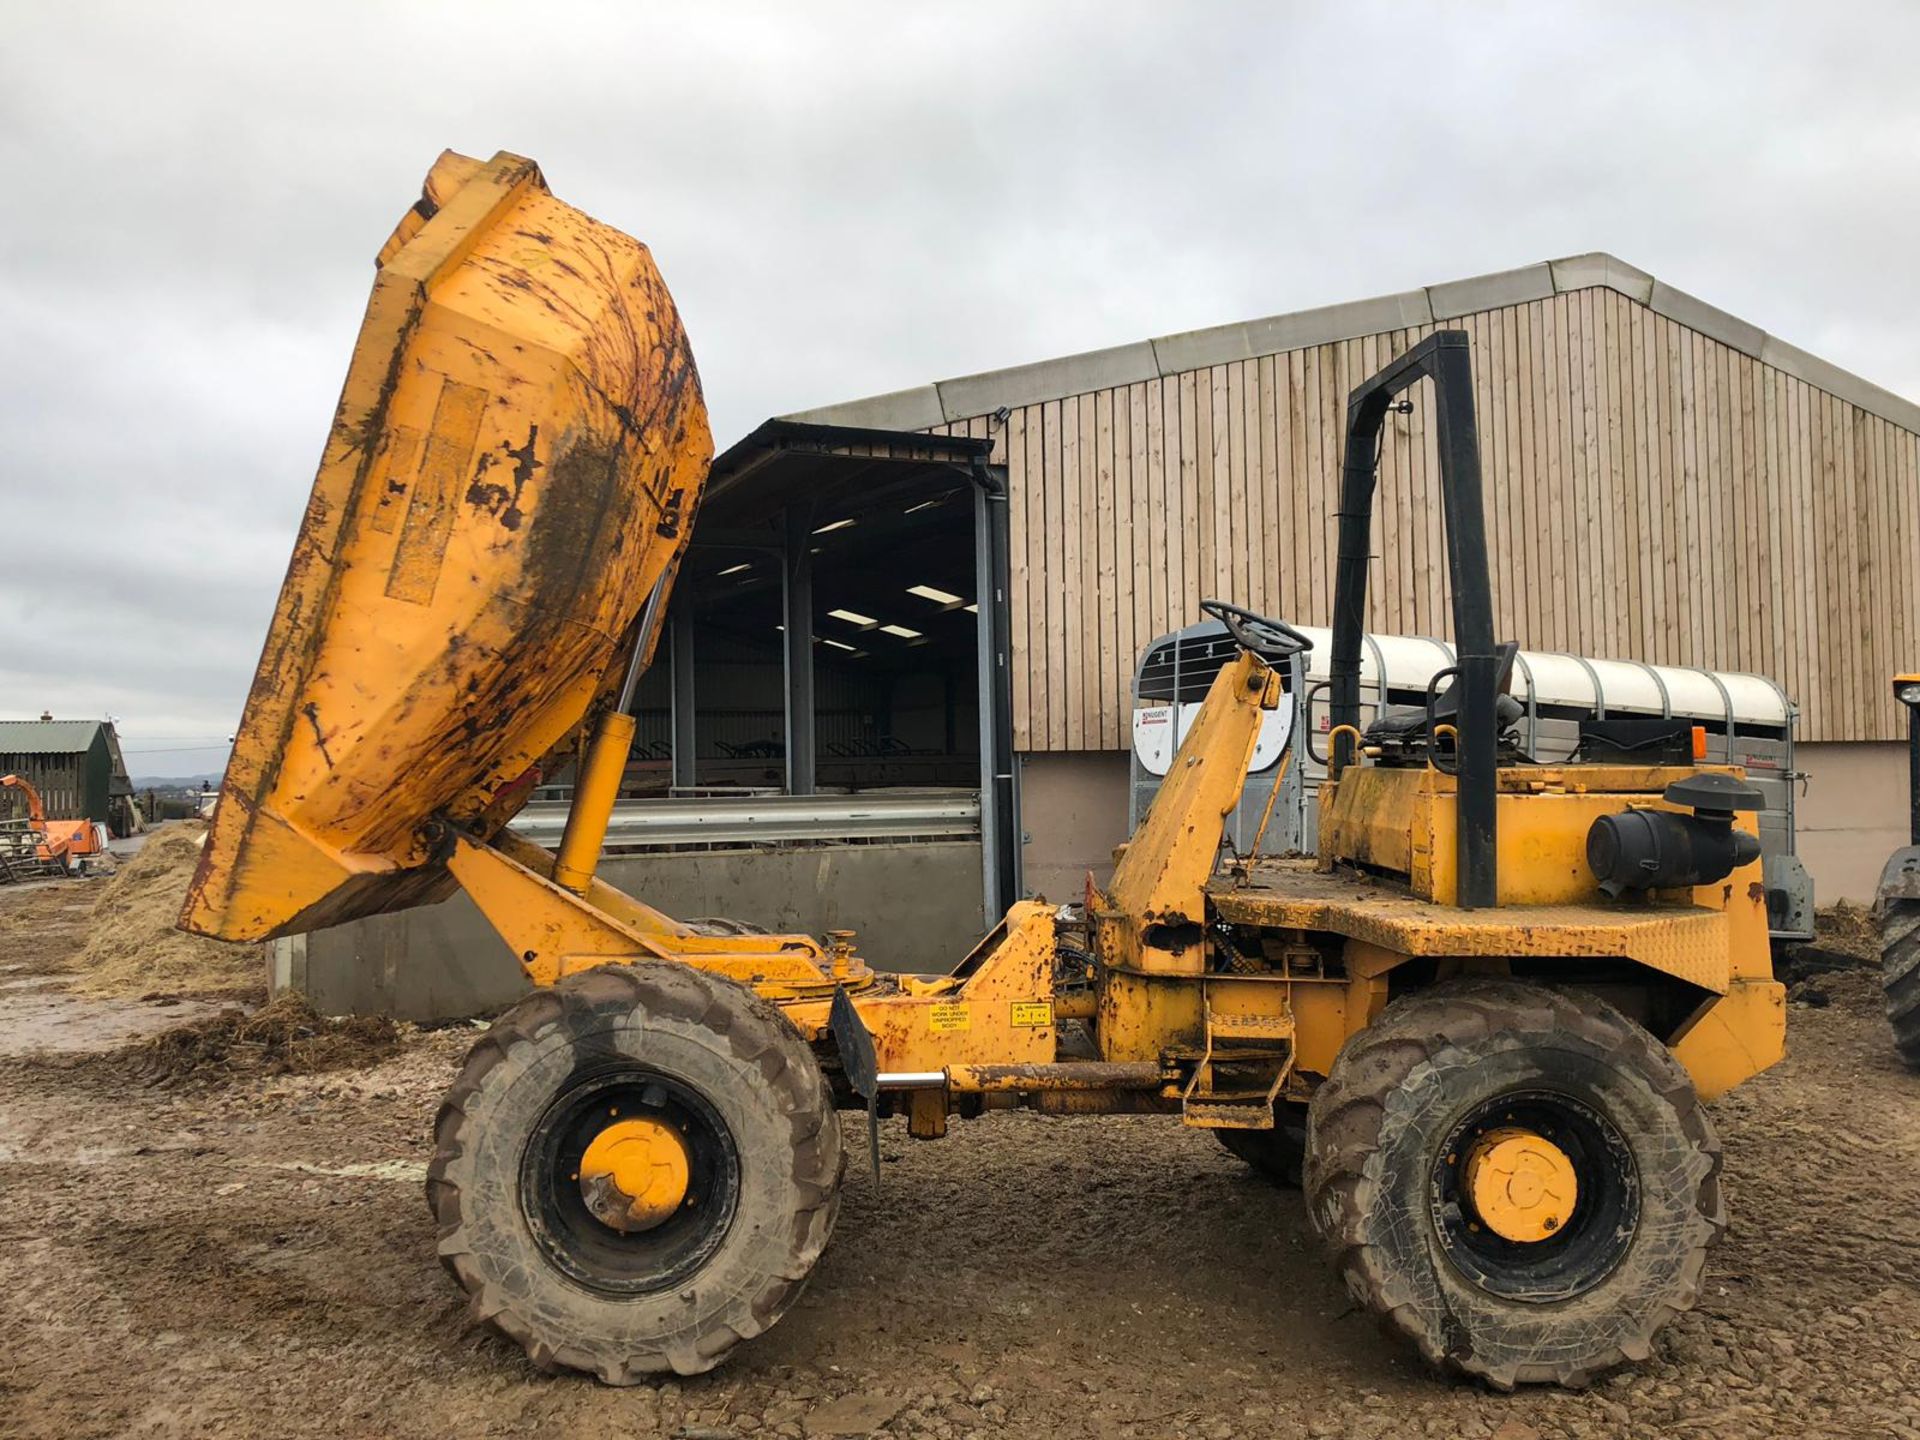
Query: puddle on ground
[[17, 1148], [411, 1172], [71, 1155], [27, 1144], [49, 1144], [34, 1019]]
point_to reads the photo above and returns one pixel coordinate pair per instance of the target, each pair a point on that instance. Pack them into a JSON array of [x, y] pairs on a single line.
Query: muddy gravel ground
[[253, 1257]]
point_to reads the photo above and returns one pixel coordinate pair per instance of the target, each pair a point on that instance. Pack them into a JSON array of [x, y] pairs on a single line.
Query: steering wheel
[[1269, 639]]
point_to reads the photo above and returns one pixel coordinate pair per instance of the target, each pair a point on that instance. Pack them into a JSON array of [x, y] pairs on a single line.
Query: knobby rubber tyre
[[739, 1063], [1900, 973], [1382, 1126], [1277, 1154]]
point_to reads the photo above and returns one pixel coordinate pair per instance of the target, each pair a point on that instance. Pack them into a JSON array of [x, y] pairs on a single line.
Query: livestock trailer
[[1571, 705]]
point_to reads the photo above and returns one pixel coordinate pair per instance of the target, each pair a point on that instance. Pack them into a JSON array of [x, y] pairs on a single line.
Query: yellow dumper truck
[[1480, 1027]]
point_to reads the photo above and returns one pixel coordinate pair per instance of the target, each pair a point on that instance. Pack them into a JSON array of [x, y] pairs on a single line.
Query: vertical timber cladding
[[1652, 493]]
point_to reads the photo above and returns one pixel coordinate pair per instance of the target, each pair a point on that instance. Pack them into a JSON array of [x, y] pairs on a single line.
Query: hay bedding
[[287, 1037], [1848, 930], [133, 947]]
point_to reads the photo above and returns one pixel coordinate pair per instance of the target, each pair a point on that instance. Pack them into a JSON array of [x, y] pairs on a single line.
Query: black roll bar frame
[[1442, 358]]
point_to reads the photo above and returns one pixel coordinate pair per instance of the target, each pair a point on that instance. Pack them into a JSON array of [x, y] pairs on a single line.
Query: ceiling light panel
[[934, 593]]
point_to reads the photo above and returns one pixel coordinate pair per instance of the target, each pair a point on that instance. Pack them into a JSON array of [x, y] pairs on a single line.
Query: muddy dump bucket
[[514, 463]]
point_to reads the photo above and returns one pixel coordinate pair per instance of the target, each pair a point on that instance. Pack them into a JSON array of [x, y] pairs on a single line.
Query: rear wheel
[[1521, 1181], [1900, 972], [1276, 1154], [636, 1170]]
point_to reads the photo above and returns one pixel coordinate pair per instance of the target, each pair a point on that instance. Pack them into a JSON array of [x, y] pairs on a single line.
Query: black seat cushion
[[1399, 722]]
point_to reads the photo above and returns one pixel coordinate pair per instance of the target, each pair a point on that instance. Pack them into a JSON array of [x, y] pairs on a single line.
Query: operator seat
[[1396, 725]]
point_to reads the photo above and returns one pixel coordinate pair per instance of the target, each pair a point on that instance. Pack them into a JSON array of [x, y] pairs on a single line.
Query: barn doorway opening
[[835, 662]]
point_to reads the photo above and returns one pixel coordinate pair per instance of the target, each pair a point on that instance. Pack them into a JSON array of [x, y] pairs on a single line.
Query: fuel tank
[[514, 463]]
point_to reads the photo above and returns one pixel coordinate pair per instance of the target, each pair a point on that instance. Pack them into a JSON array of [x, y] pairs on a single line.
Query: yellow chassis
[[1160, 1010]]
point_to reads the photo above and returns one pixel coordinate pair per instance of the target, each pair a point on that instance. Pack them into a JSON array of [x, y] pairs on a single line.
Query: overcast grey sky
[[844, 199]]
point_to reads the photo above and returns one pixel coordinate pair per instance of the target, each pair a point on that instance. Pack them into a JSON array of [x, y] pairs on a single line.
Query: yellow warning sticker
[[1032, 1012], [946, 1018]]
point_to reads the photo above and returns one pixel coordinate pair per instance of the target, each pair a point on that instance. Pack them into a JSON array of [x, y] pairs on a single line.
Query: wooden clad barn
[[1664, 481], [76, 767]]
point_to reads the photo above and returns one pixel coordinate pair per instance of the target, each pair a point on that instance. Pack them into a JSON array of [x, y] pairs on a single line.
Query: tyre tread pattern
[[1346, 1119], [757, 1036], [1900, 974]]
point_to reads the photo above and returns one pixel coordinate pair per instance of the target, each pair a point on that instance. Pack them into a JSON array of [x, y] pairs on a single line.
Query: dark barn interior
[[872, 535]]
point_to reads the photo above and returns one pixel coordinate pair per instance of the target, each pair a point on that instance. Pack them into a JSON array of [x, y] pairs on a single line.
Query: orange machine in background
[[66, 843]]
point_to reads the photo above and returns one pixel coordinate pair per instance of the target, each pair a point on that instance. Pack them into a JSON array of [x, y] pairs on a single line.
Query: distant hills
[[177, 782]]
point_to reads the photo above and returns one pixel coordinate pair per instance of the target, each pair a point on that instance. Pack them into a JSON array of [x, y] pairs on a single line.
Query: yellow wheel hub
[[634, 1174], [1521, 1185]]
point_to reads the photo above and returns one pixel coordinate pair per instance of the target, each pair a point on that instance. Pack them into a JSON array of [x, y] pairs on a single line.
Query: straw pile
[[133, 947], [285, 1038]]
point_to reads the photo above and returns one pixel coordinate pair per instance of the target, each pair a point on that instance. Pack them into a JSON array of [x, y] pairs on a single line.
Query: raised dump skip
[[514, 463], [1749, 722]]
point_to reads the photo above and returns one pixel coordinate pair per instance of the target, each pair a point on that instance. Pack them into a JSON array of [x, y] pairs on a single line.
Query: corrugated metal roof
[[47, 737]]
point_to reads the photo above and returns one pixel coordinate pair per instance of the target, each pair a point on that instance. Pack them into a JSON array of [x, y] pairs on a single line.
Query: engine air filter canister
[[1664, 850]]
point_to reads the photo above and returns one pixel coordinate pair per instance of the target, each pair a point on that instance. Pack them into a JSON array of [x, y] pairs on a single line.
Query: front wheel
[[1519, 1180], [636, 1170]]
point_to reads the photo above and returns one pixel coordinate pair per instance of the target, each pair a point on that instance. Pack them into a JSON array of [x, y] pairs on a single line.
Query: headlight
[[1908, 694]]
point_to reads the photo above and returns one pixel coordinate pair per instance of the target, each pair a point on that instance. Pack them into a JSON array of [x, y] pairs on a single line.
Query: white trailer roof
[[1548, 678]]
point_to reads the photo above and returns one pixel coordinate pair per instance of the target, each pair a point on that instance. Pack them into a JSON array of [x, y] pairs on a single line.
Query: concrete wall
[[915, 908], [1852, 816], [1073, 810]]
